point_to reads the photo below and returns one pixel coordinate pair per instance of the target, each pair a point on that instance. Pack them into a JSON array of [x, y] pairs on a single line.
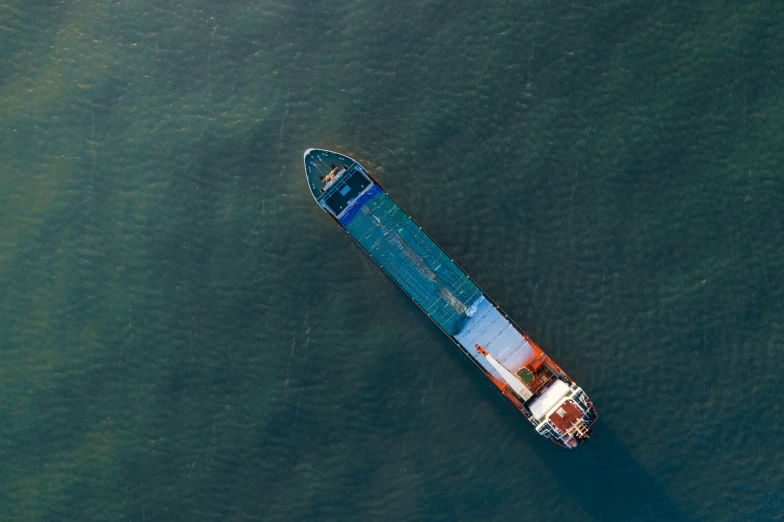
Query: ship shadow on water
[[608, 482], [602, 476]]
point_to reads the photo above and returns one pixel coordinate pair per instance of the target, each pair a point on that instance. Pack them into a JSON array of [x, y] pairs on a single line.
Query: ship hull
[[557, 407]]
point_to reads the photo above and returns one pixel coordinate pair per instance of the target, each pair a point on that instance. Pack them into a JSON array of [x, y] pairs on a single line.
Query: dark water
[[185, 336]]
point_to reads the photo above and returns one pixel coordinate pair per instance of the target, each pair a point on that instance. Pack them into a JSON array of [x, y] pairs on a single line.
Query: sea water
[[186, 336]]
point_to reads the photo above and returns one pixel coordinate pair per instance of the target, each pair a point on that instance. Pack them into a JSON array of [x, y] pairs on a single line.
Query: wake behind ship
[[557, 407]]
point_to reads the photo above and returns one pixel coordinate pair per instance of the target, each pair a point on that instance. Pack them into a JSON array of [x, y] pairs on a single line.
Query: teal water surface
[[186, 336]]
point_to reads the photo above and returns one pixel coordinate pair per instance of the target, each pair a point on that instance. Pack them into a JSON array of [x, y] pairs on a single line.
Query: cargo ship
[[526, 376]]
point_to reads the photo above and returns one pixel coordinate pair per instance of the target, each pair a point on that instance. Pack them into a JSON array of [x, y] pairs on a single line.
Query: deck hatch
[[411, 258], [337, 199]]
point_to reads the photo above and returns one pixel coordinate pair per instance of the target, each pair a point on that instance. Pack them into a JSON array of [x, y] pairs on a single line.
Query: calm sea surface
[[185, 336]]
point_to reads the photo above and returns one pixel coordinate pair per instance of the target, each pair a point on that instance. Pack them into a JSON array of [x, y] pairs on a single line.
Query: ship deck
[[435, 282], [318, 164], [413, 260], [349, 186], [417, 264]]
